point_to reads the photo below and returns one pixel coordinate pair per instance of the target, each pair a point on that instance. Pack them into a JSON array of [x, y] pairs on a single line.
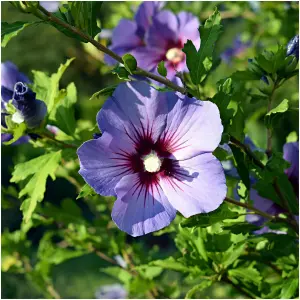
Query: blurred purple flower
[[111, 291], [237, 48], [293, 47], [156, 36], [51, 6], [155, 155], [290, 154], [13, 87]]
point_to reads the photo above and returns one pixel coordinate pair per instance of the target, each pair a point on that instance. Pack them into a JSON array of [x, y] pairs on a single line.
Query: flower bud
[[266, 85], [293, 47], [32, 110]]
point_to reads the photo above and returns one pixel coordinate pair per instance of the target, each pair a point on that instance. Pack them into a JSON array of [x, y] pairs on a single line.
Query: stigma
[[175, 55], [152, 162]]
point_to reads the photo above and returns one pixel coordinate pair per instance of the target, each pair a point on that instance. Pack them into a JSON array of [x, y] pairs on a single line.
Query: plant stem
[[263, 214], [247, 150], [102, 48], [245, 205], [269, 130], [52, 138], [238, 288]]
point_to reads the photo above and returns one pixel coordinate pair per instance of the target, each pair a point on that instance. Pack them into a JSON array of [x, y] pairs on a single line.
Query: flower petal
[[193, 126], [124, 39], [148, 58], [143, 16], [291, 154], [10, 75], [198, 186], [164, 29], [103, 163], [135, 109], [188, 28], [139, 211]]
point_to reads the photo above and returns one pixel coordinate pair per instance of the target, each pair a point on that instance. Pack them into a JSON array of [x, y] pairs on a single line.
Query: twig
[[263, 214], [269, 130], [50, 137], [238, 288], [102, 48], [53, 292]]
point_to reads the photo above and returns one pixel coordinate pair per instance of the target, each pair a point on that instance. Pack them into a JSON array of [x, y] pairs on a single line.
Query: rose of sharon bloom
[[10, 75], [293, 47], [163, 41], [111, 291], [290, 154], [128, 34], [155, 156]]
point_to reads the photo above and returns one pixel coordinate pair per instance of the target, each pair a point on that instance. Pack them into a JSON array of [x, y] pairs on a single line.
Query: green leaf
[[233, 254], [198, 288], [218, 242], [244, 228], [207, 219], [130, 63], [171, 264], [47, 88], [63, 112], [17, 132], [108, 91], [241, 165], [9, 30], [85, 191], [292, 137], [119, 273], [199, 62], [162, 69], [85, 15], [149, 272], [246, 274], [275, 112], [121, 72], [290, 288], [40, 167], [238, 124]]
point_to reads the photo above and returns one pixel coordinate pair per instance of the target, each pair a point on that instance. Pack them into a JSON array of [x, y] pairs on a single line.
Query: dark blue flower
[[32, 110], [13, 87], [293, 47], [237, 48]]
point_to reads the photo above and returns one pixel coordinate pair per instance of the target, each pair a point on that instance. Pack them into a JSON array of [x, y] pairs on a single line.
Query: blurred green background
[[44, 48]]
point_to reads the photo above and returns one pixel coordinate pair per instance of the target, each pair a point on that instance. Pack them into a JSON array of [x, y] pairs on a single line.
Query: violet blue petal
[[144, 14], [188, 28], [51, 6], [163, 31], [139, 211], [100, 165], [6, 95], [193, 126], [198, 187], [10, 75], [111, 291], [148, 58], [133, 107], [291, 154], [124, 39]]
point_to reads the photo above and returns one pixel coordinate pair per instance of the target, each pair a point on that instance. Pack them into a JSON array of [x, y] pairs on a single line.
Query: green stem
[[52, 138], [263, 214], [139, 71]]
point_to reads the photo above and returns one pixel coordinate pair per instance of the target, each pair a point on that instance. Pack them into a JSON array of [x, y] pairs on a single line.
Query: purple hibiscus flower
[[290, 154], [29, 109], [155, 155], [293, 47], [237, 48], [163, 40], [111, 291], [51, 6], [128, 34]]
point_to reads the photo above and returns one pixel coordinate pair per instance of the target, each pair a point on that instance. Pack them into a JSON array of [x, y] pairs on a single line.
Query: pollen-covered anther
[[152, 162], [175, 55]]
